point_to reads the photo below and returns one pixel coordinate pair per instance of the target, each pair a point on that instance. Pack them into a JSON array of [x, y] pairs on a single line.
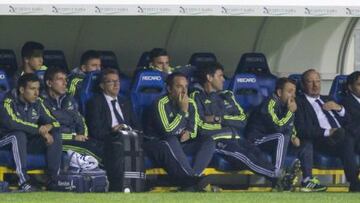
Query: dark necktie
[[330, 118], [117, 114]]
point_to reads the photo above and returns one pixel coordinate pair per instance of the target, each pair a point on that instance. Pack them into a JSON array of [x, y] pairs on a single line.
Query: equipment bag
[[83, 181], [4, 186]]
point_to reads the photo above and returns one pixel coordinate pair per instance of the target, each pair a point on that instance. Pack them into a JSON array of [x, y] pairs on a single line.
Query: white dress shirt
[[323, 121], [114, 121]]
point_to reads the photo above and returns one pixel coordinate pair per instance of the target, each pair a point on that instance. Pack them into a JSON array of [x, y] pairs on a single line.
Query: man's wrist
[[217, 119]]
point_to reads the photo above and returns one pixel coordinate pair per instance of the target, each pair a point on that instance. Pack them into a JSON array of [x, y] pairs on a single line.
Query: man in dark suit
[[318, 124], [351, 102], [106, 114]]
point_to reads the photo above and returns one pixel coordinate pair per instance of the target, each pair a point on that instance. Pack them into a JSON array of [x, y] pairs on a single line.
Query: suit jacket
[[98, 116], [306, 121], [352, 115]]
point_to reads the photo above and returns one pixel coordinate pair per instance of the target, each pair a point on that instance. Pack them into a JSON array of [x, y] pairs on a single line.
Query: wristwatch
[[217, 119]]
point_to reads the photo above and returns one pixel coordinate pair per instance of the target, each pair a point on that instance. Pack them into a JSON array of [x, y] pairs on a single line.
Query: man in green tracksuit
[[63, 106], [90, 61]]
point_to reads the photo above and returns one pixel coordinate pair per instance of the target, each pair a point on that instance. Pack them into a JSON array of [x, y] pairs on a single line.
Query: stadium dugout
[[293, 35]]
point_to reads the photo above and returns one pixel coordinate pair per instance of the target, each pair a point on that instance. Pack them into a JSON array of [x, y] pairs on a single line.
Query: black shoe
[[354, 187], [312, 185], [51, 185], [278, 183], [291, 176], [26, 187]]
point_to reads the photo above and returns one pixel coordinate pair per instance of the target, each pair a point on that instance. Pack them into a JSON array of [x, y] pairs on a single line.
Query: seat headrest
[[55, 58], [144, 59], [108, 60], [297, 79], [338, 88], [255, 63], [197, 59], [8, 61]]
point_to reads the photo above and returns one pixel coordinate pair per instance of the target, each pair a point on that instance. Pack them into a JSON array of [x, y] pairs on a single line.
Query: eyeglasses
[[112, 82]]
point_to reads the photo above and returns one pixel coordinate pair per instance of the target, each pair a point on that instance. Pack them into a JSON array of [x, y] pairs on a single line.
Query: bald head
[[311, 82]]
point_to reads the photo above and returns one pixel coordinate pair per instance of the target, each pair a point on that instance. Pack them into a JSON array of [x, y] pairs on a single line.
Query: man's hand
[[332, 130], [118, 127], [185, 136], [48, 139], [81, 138], [331, 105], [45, 129], [166, 69], [210, 119], [291, 104], [295, 141], [183, 102]]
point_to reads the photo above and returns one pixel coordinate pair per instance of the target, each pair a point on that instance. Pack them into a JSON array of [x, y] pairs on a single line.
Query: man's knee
[[56, 136], [171, 139], [207, 141], [306, 148], [20, 137]]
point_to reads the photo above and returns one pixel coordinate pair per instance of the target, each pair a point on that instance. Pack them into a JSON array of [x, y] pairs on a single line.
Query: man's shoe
[[211, 188], [26, 187], [291, 177], [354, 187], [278, 183], [312, 185]]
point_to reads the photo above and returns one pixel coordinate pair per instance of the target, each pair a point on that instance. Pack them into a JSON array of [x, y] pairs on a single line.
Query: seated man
[[173, 128], [32, 59], [318, 127], [25, 117], [351, 102], [159, 60], [90, 61], [271, 125], [63, 106], [107, 113], [223, 119]]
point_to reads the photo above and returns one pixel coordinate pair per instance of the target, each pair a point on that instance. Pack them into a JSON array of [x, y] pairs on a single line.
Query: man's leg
[[345, 150], [170, 155], [239, 155], [18, 147], [53, 155], [306, 156], [277, 144], [202, 149], [175, 159]]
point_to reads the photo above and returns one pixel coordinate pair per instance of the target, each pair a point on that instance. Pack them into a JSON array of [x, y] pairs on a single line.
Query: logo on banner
[[320, 11], [238, 11], [153, 10], [68, 10], [110, 10], [353, 11], [276, 11], [25, 9], [2, 76], [195, 10]]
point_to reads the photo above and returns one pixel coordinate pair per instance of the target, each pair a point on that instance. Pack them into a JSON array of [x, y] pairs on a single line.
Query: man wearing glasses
[[106, 114]]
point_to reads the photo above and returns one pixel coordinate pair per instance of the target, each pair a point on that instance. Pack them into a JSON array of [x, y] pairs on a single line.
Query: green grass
[[232, 197]]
